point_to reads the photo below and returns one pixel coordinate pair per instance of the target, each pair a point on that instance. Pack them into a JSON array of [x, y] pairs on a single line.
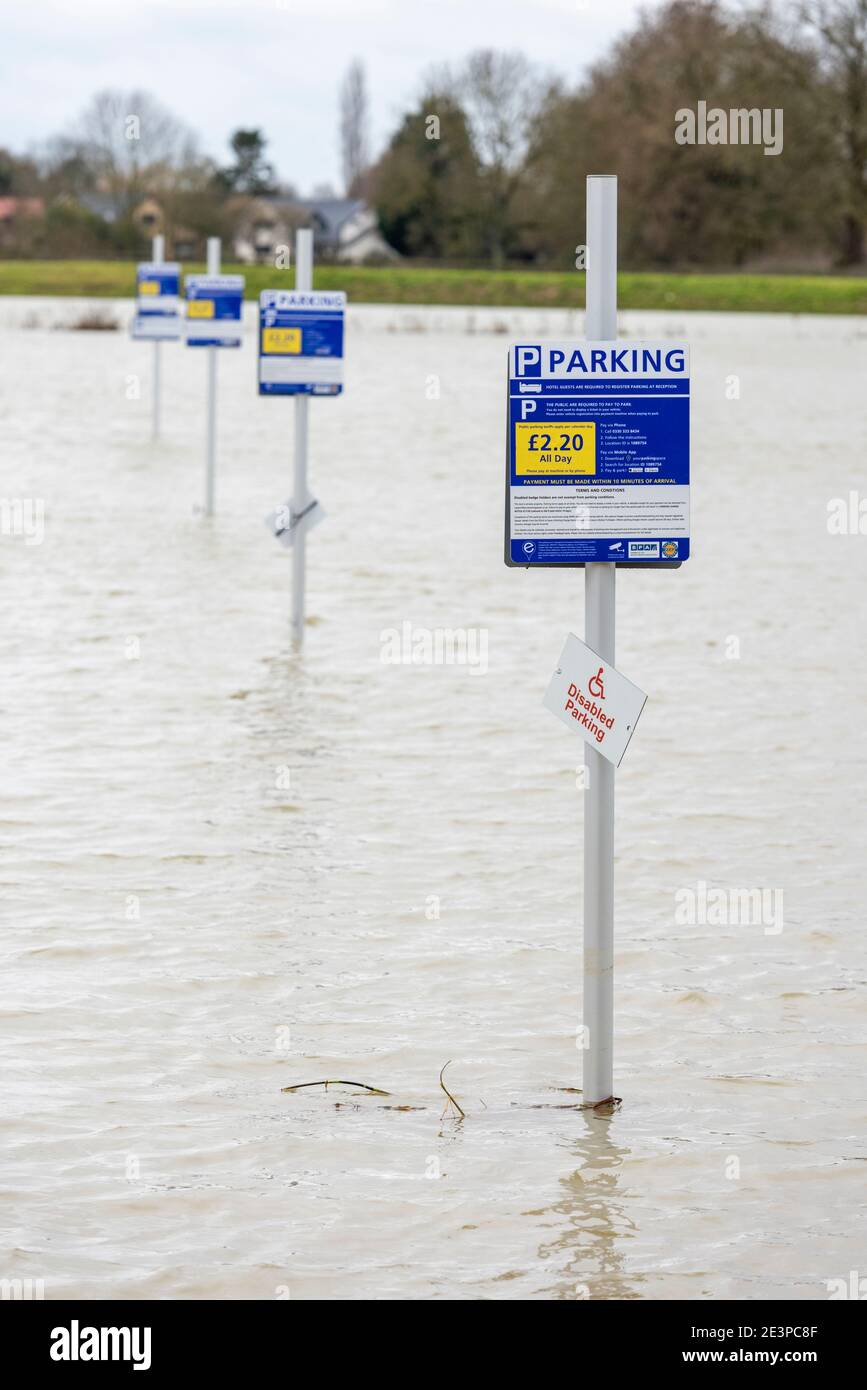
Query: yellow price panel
[[281, 339], [200, 308], [569, 446], [148, 286]]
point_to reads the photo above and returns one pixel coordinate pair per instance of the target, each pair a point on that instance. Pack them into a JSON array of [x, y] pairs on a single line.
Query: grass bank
[[789, 294]]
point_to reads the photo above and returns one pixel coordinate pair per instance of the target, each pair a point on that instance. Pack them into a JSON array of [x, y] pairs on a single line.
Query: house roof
[[332, 212], [11, 206], [100, 204]]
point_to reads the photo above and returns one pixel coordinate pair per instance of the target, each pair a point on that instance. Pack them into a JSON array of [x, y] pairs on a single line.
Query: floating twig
[[371, 1090], [607, 1106], [451, 1099]]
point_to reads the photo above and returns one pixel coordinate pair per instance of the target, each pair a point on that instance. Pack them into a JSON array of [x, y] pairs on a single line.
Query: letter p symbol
[[528, 361]]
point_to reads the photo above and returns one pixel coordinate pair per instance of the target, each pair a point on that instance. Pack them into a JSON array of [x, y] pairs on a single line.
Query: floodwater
[[227, 868]]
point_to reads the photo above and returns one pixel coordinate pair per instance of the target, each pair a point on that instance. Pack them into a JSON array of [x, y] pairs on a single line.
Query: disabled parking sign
[[594, 699], [597, 454]]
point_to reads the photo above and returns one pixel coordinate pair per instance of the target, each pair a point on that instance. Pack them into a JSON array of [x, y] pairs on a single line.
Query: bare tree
[[502, 95], [839, 28], [132, 144], [353, 126]]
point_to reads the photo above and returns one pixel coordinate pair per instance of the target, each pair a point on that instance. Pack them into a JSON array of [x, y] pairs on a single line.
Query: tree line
[[85, 192], [487, 167], [82, 190]]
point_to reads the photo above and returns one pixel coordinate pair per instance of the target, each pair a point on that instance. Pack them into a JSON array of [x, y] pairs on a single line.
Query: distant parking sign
[[597, 455], [301, 342], [214, 305], [158, 305]]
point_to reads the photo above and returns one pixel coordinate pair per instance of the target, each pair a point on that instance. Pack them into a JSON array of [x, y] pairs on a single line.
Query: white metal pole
[[598, 1020], [158, 251], [300, 496], [211, 445]]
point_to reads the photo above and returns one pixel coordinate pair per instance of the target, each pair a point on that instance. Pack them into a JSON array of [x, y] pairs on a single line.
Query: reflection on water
[[593, 1217], [228, 868]]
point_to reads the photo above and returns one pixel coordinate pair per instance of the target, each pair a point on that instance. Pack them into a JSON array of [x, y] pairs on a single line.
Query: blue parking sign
[[158, 305], [214, 305], [597, 455], [301, 342]]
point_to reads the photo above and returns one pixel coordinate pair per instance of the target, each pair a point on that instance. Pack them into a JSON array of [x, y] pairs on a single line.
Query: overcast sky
[[275, 64]]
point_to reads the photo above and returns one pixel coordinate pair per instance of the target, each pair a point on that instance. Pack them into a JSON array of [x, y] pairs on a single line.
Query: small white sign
[[594, 699], [285, 525]]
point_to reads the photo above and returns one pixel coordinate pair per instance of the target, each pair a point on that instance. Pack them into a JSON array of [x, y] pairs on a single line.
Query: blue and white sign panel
[[214, 304], [301, 342], [158, 304], [597, 455]]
